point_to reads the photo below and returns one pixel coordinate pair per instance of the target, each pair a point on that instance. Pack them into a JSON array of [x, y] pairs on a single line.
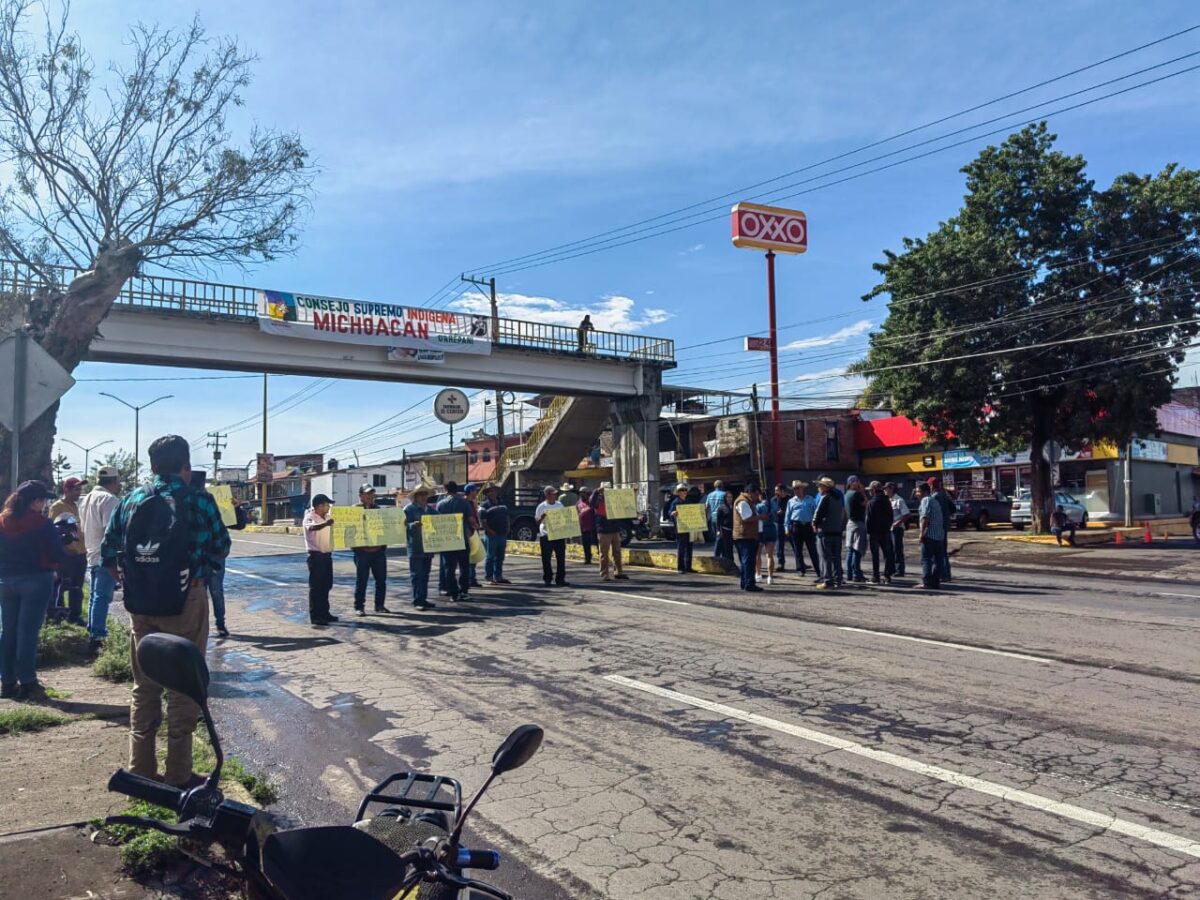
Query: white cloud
[[695, 248], [838, 337], [612, 313], [824, 388]]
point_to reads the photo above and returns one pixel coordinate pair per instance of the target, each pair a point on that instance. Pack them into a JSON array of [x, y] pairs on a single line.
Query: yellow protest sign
[[690, 517], [620, 503], [348, 529], [443, 533], [385, 526], [562, 523], [223, 494]]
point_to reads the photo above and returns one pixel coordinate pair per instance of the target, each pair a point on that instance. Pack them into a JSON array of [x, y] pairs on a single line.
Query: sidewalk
[[1176, 560]]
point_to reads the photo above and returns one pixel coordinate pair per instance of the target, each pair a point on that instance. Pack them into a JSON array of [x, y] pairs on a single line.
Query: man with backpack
[[160, 545]]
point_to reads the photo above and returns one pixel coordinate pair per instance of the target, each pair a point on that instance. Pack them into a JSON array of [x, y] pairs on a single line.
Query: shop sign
[[966, 459], [1151, 450], [770, 228]]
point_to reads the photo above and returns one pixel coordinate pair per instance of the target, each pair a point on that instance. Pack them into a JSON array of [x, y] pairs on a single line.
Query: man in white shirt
[[319, 541], [900, 514], [558, 548], [95, 510]]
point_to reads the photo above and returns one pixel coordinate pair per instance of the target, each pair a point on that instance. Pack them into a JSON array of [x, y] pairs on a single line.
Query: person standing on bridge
[[369, 562], [585, 327]]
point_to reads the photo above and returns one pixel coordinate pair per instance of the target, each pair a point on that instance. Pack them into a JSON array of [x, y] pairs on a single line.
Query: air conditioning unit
[[1153, 504]]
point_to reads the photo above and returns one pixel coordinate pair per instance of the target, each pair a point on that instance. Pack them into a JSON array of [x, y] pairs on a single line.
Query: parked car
[[1021, 514], [983, 510]]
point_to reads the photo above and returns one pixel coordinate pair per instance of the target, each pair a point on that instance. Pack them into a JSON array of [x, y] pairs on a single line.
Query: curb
[[646, 559]]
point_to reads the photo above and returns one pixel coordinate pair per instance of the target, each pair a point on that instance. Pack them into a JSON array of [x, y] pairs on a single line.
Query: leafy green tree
[[1044, 311], [131, 165], [59, 467]]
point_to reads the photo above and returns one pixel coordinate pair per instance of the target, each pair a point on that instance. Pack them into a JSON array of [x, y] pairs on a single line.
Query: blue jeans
[[103, 586], [683, 552], [931, 562], [24, 600], [419, 566], [216, 590], [493, 563], [944, 559], [747, 550]]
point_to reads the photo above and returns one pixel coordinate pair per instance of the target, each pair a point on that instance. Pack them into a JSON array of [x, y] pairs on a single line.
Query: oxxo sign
[[451, 406], [770, 228]]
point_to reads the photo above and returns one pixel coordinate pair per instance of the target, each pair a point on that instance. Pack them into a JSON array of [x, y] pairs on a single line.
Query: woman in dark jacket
[[879, 532], [30, 551]]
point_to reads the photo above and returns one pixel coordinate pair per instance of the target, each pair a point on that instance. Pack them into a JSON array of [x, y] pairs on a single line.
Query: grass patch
[[26, 719], [113, 663], [143, 850], [262, 790], [56, 694], [61, 644]]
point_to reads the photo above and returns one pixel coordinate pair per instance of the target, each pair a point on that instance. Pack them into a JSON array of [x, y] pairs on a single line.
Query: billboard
[[770, 228]]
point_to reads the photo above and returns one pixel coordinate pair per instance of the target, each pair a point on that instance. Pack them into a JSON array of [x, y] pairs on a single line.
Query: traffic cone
[[1147, 537], [1118, 537]]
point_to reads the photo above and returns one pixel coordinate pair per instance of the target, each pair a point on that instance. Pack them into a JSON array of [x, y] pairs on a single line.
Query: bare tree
[[134, 165]]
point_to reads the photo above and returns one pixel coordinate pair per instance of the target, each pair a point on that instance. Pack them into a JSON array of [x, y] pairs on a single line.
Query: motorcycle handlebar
[[141, 788]]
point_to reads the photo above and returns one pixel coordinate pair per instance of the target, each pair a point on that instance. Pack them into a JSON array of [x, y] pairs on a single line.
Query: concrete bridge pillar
[[635, 442]]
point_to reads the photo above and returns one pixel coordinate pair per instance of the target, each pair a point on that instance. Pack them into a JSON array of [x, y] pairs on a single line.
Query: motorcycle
[[409, 849]]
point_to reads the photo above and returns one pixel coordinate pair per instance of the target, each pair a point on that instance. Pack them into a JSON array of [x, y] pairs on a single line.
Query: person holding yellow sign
[[369, 563], [686, 521], [608, 529], [553, 545]]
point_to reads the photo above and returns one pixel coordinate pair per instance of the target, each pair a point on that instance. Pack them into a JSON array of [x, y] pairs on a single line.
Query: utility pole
[[263, 486], [490, 284], [217, 442]]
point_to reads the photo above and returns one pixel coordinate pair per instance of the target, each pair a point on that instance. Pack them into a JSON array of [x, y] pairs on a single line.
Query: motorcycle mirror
[[517, 749], [175, 663]]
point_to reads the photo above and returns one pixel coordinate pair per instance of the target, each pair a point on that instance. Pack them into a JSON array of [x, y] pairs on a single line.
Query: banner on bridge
[[361, 322]]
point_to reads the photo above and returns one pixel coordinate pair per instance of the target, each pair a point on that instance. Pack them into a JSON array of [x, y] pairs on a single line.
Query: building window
[[487, 454], [474, 457], [379, 480], [831, 441], [799, 431]]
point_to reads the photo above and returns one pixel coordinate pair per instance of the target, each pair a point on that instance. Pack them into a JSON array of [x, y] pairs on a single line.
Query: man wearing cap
[[458, 562], [829, 520], [683, 539], [493, 518], [369, 562], [713, 501], [419, 562], [319, 542], [95, 510], [557, 548], [73, 568], [938, 491], [745, 534], [797, 522]]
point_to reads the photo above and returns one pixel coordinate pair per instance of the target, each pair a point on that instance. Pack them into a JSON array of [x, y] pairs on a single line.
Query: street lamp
[[87, 451], [137, 466]]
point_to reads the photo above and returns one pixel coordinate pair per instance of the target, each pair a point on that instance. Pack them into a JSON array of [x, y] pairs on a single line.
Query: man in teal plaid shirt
[[208, 540]]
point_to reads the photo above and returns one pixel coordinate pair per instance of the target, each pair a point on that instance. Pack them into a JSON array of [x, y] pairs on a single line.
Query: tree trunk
[[64, 323], [1041, 497]]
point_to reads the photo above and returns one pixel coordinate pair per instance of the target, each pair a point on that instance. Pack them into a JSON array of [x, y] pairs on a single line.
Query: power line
[[837, 157]]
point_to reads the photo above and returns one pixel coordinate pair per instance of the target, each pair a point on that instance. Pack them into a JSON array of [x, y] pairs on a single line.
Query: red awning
[[879, 434]]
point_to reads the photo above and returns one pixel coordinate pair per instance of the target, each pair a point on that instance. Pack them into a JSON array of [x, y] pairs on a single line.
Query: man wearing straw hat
[[829, 520], [419, 562], [798, 524]]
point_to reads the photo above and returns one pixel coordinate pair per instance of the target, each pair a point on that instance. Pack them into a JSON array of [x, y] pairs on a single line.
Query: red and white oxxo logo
[[770, 228]]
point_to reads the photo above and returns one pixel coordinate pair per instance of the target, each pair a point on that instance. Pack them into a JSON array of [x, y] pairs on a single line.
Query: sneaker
[[382, 609], [222, 631], [823, 586], [620, 576], [493, 582], [875, 579], [424, 605], [770, 580], [359, 611]]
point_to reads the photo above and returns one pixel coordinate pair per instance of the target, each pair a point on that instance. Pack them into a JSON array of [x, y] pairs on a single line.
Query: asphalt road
[[1017, 735]]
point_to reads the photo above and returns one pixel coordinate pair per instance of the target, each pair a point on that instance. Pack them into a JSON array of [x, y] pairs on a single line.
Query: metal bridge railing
[[206, 298]]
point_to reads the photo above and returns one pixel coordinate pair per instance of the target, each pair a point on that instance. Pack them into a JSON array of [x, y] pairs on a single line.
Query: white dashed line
[[259, 578], [1008, 794], [617, 593], [950, 644], [293, 547]]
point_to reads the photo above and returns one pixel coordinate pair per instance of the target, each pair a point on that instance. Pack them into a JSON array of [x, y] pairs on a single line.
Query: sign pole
[[264, 488], [776, 448], [19, 376]]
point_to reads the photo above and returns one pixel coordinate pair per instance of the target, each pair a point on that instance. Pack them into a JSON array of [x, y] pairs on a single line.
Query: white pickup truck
[[1023, 502]]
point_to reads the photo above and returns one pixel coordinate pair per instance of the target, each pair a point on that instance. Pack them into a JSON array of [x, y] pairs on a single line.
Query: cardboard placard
[[443, 533], [223, 494], [562, 523], [690, 517], [620, 503]]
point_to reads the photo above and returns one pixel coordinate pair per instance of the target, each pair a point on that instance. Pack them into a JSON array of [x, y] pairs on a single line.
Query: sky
[[451, 137]]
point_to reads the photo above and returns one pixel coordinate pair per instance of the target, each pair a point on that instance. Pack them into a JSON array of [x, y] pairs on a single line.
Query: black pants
[[882, 543], [559, 550], [683, 551], [898, 549], [804, 538], [320, 581], [588, 539], [370, 564], [70, 585], [458, 572]]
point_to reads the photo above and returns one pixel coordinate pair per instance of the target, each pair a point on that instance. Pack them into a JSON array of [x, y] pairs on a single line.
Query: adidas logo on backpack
[[155, 564]]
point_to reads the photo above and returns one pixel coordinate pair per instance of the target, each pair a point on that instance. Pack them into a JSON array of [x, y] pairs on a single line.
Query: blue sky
[[455, 135]]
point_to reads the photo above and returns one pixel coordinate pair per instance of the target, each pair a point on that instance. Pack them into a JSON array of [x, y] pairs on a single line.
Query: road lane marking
[[1070, 811], [245, 574], [294, 548], [950, 644], [635, 596], [1167, 594]]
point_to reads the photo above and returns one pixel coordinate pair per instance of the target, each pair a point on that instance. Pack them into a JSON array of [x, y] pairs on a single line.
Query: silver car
[[1023, 503]]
